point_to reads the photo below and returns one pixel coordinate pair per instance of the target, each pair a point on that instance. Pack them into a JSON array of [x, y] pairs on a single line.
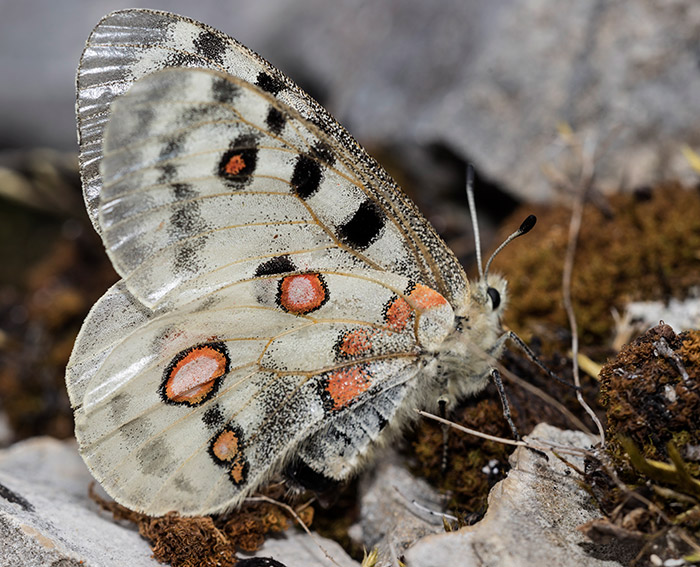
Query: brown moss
[[644, 246], [652, 394], [649, 400], [207, 540]]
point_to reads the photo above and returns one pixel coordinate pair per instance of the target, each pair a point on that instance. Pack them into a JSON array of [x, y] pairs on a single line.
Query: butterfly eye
[[495, 297]]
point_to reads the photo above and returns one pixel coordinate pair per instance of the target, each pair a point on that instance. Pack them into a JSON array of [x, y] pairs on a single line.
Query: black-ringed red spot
[[354, 343], [226, 450], [240, 161], [341, 387], [194, 374], [234, 165], [302, 294]]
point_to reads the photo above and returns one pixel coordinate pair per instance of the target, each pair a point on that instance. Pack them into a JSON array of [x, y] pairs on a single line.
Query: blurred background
[[528, 91]]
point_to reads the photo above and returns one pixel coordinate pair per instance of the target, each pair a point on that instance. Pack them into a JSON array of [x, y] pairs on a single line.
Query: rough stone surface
[[490, 80], [532, 518], [47, 519], [296, 549], [681, 315], [395, 508], [494, 80]]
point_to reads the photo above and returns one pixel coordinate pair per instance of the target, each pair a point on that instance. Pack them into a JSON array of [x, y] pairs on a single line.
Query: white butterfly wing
[[278, 290], [129, 44], [153, 450]]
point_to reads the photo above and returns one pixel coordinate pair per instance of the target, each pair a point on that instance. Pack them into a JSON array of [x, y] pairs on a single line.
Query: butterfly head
[[491, 294]]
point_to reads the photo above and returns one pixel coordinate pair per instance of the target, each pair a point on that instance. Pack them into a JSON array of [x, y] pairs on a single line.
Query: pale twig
[[587, 175], [530, 444], [424, 508]]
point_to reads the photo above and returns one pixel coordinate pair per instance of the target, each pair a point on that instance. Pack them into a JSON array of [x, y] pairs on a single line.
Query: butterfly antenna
[[475, 222], [525, 227]]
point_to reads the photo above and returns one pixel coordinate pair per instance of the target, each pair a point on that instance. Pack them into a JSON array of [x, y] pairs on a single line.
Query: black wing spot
[[168, 172], [182, 191], [324, 152], [277, 265], [213, 418], [224, 91], [211, 46], [183, 59], [186, 258], [269, 83], [275, 120], [307, 176], [186, 220], [363, 227]]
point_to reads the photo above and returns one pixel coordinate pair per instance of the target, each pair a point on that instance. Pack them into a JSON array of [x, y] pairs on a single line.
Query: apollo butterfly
[[283, 307]]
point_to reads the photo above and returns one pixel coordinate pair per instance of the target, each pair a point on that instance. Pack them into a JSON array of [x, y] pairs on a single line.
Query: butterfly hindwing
[[275, 379]]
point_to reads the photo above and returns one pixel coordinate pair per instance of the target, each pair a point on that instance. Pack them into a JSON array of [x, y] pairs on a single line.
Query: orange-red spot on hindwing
[[344, 385], [226, 445], [194, 374], [302, 294], [226, 449], [397, 314], [425, 298], [355, 343]]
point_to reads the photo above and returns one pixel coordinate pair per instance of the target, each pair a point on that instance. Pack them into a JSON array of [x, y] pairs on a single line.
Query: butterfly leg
[[442, 411], [530, 354], [496, 377]]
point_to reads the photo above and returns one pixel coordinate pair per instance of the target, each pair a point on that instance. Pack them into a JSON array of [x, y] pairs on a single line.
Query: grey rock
[[47, 518], [296, 549], [532, 518], [493, 80], [395, 507], [490, 80]]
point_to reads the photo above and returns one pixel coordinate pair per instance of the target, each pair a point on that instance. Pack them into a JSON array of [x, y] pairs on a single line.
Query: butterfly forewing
[[130, 44]]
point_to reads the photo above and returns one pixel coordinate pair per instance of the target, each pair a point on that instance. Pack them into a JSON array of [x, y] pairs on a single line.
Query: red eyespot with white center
[[194, 374], [302, 294]]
